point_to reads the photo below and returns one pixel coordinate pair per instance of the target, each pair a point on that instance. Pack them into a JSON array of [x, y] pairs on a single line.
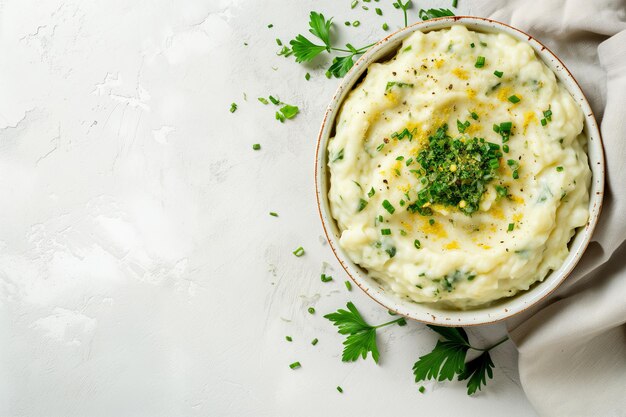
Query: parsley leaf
[[305, 50], [320, 27], [476, 372], [341, 65], [361, 336], [434, 13], [445, 361]]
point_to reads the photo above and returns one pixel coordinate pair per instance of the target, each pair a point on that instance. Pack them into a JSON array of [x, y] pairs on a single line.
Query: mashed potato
[[458, 169]]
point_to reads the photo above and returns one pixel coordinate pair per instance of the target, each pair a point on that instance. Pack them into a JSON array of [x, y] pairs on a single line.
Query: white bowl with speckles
[[504, 308]]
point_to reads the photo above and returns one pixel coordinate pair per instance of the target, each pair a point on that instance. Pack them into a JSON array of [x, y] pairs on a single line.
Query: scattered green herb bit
[[483, 44], [511, 227], [233, 107], [385, 232], [361, 336], [390, 84], [274, 100], [417, 244], [371, 192], [454, 171], [496, 128], [339, 389], [385, 26], [515, 174], [544, 122], [501, 191], [498, 74], [311, 310], [387, 206], [273, 214], [285, 51], [299, 251], [474, 115], [256, 146], [548, 115], [307, 76], [462, 126], [480, 62], [356, 23], [289, 111], [404, 6], [434, 13], [354, 4], [392, 313], [263, 100], [280, 117], [362, 205], [409, 161], [505, 148], [472, 45], [314, 341], [288, 338], [348, 285], [338, 156], [514, 99], [559, 169], [431, 221], [279, 42], [506, 126], [421, 389], [326, 278], [403, 233], [270, 26], [378, 11], [365, 7], [295, 365], [455, 3]]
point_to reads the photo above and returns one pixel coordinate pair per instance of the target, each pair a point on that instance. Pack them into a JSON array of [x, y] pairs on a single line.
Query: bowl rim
[[481, 315]]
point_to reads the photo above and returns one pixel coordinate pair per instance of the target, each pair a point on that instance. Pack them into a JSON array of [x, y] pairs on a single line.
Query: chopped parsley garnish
[[421, 389], [289, 111], [544, 122], [354, 4], [307, 76], [299, 251], [263, 100], [295, 365], [338, 156], [326, 278], [233, 107], [474, 115], [385, 26], [339, 389], [462, 126], [348, 285], [361, 337], [288, 338], [417, 244], [501, 191], [559, 169], [371, 192], [311, 310], [511, 227], [385, 232], [314, 341], [514, 99], [548, 115], [356, 23], [390, 85], [391, 251], [273, 214], [472, 45], [404, 6], [256, 146], [480, 62], [387, 206], [434, 13], [498, 74], [362, 205], [378, 11], [456, 172]]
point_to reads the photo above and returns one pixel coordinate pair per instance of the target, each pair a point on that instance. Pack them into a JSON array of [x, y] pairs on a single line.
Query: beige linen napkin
[[572, 348]]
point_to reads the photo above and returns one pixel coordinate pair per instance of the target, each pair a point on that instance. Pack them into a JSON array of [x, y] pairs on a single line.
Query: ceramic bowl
[[504, 308]]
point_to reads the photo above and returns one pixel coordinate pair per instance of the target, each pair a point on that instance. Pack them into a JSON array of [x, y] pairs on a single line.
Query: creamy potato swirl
[[434, 246]]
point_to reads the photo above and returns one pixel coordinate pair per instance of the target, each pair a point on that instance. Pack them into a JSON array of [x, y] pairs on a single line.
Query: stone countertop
[[140, 272]]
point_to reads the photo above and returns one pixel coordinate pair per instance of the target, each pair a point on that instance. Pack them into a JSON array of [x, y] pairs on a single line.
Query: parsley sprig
[[447, 360], [406, 6], [361, 335], [434, 13], [305, 50]]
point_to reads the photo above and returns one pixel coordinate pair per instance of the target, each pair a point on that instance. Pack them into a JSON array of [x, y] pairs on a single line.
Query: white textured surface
[[140, 273]]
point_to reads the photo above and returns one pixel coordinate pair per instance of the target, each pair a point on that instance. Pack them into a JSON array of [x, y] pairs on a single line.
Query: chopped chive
[[347, 23], [356, 23], [362, 205], [348, 285], [311, 310], [472, 45], [339, 389], [307, 76], [380, 147], [506, 126], [263, 100], [431, 221], [326, 278], [455, 3], [385, 232], [295, 365], [392, 313], [271, 25], [387, 205], [314, 341], [274, 100], [417, 244], [371, 192], [480, 62], [514, 99], [511, 227], [548, 114], [288, 338], [279, 42], [421, 389], [273, 214], [515, 175], [385, 26], [496, 128], [474, 115], [233, 107], [354, 4], [365, 7], [378, 11], [498, 74], [494, 164], [256, 146], [559, 169], [299, 251], [505, 148], [483, 44], [544, 122]]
